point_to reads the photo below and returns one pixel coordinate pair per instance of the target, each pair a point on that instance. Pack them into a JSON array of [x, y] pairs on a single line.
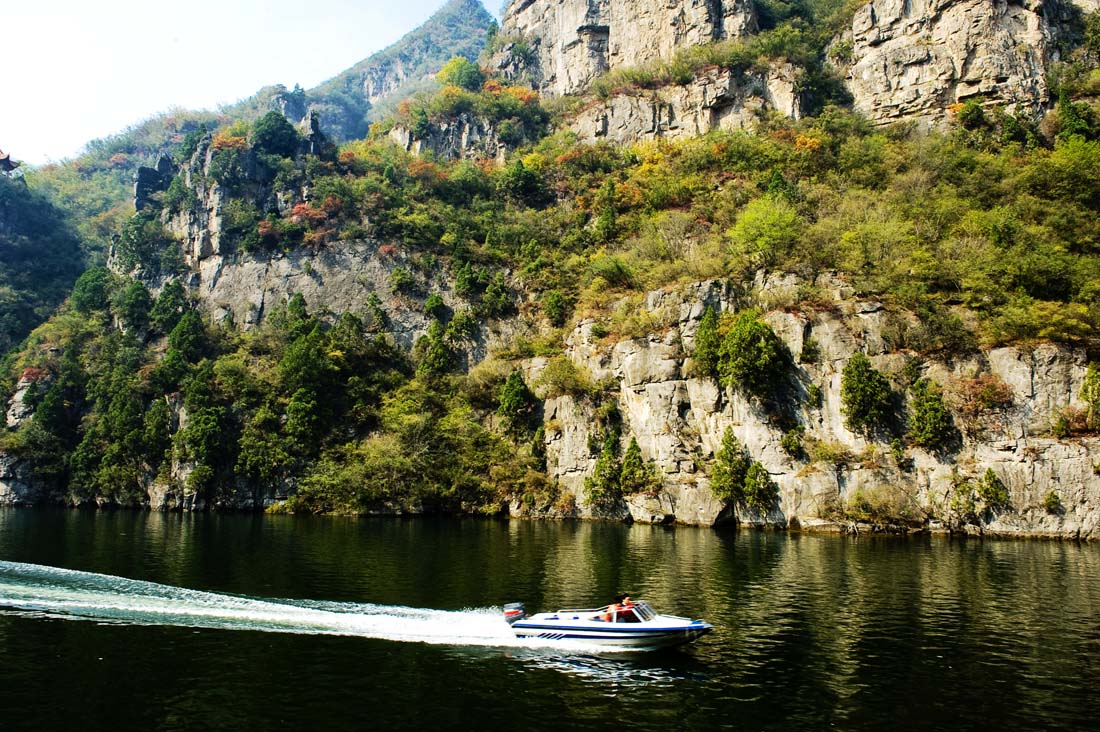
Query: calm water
[[275, 623]]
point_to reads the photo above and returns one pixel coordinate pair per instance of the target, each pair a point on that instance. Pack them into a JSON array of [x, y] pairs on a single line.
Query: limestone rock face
[[564, 44], [715, 99], [18, 409], [678, 419], [17, 486], [462, 138], [911, 59]]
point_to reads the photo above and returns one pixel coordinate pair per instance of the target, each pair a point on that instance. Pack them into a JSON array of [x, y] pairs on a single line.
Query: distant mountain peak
[[346, 101]]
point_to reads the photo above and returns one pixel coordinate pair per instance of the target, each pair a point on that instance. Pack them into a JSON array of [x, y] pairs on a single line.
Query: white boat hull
[[591, 627]]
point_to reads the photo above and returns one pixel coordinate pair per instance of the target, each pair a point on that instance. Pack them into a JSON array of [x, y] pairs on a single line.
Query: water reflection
[[858, 633]]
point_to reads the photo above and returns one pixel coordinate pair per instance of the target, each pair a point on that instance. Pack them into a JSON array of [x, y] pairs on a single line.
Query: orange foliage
[[268, 232], [304, 213], [332, 205], [318, 237], [523, 94], [783, 134], [387, 250], [805, 143], [629, 195], [425, 170], [119, 160], [32, 373], [223, 141]]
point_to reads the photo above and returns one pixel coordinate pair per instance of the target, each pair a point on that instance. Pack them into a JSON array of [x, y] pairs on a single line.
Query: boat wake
[[40, 591]]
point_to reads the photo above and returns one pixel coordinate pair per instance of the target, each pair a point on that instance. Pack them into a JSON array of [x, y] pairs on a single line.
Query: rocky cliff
[[899, 60], [913, 60], [561, 46], [678, 420], [715, 99]]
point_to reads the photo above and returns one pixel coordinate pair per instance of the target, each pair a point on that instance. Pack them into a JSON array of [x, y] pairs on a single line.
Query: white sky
[[75, 70]]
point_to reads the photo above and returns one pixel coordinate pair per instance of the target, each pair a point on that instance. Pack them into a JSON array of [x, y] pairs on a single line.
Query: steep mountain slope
[[370, 89], [97, 186], [40, 258], [811, 322]]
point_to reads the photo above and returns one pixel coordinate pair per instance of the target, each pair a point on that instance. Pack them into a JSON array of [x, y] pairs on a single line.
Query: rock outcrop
[[678, 420], [913, 60], [715, 99], [464, 137], [17, 486], [562, 45]]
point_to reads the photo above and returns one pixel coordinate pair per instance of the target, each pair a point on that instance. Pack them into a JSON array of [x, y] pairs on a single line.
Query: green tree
[[636, 475], [132, 304], [90, 290], [169, 307], [731, 465], [434, 307], [707, 343], [262, 454], [992, 490], [461, 72], [555, 306], [434, 356], [751, 357], [188, 338], [517, 405], [767, 229], [864, 395], [273, 135], [1090, 390], [602, 487], [930, 425], [760, 492]]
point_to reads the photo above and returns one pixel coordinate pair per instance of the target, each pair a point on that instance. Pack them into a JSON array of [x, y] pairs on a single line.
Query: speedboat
[[636, 626]]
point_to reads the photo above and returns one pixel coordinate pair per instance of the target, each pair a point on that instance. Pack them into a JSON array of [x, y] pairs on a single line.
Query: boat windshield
[[644, 611]]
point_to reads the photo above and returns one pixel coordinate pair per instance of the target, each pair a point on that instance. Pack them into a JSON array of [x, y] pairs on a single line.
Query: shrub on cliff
[[1090, 394], [930, 425], [751, 357], [636, 475], [760, 492], [516, 405], [992, 490], [461, 72], [864, 395], [602, 488], [273, 135], [707, 344], [731, 465]]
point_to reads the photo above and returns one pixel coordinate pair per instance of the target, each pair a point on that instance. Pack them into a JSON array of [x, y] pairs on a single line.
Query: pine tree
[[636, 475], [731, 464]]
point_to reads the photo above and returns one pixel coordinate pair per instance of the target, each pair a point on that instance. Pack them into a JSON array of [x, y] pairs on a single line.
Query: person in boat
[[626, 610], [621, 609]]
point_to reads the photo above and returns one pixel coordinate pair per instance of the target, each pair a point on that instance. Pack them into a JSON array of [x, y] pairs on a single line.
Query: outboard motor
[[514, 611]]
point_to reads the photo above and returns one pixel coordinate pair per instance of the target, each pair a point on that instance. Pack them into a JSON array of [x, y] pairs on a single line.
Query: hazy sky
[[76, 70]]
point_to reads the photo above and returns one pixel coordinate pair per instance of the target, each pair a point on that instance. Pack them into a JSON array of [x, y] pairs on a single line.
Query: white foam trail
[[32, 589]]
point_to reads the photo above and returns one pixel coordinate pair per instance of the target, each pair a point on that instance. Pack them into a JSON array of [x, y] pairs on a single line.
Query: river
[[149, 621]]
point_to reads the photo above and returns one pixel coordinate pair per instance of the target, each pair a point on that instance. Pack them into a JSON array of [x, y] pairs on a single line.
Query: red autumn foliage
[[268, 232], [305, 213], [387, 250], [32, 373]]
